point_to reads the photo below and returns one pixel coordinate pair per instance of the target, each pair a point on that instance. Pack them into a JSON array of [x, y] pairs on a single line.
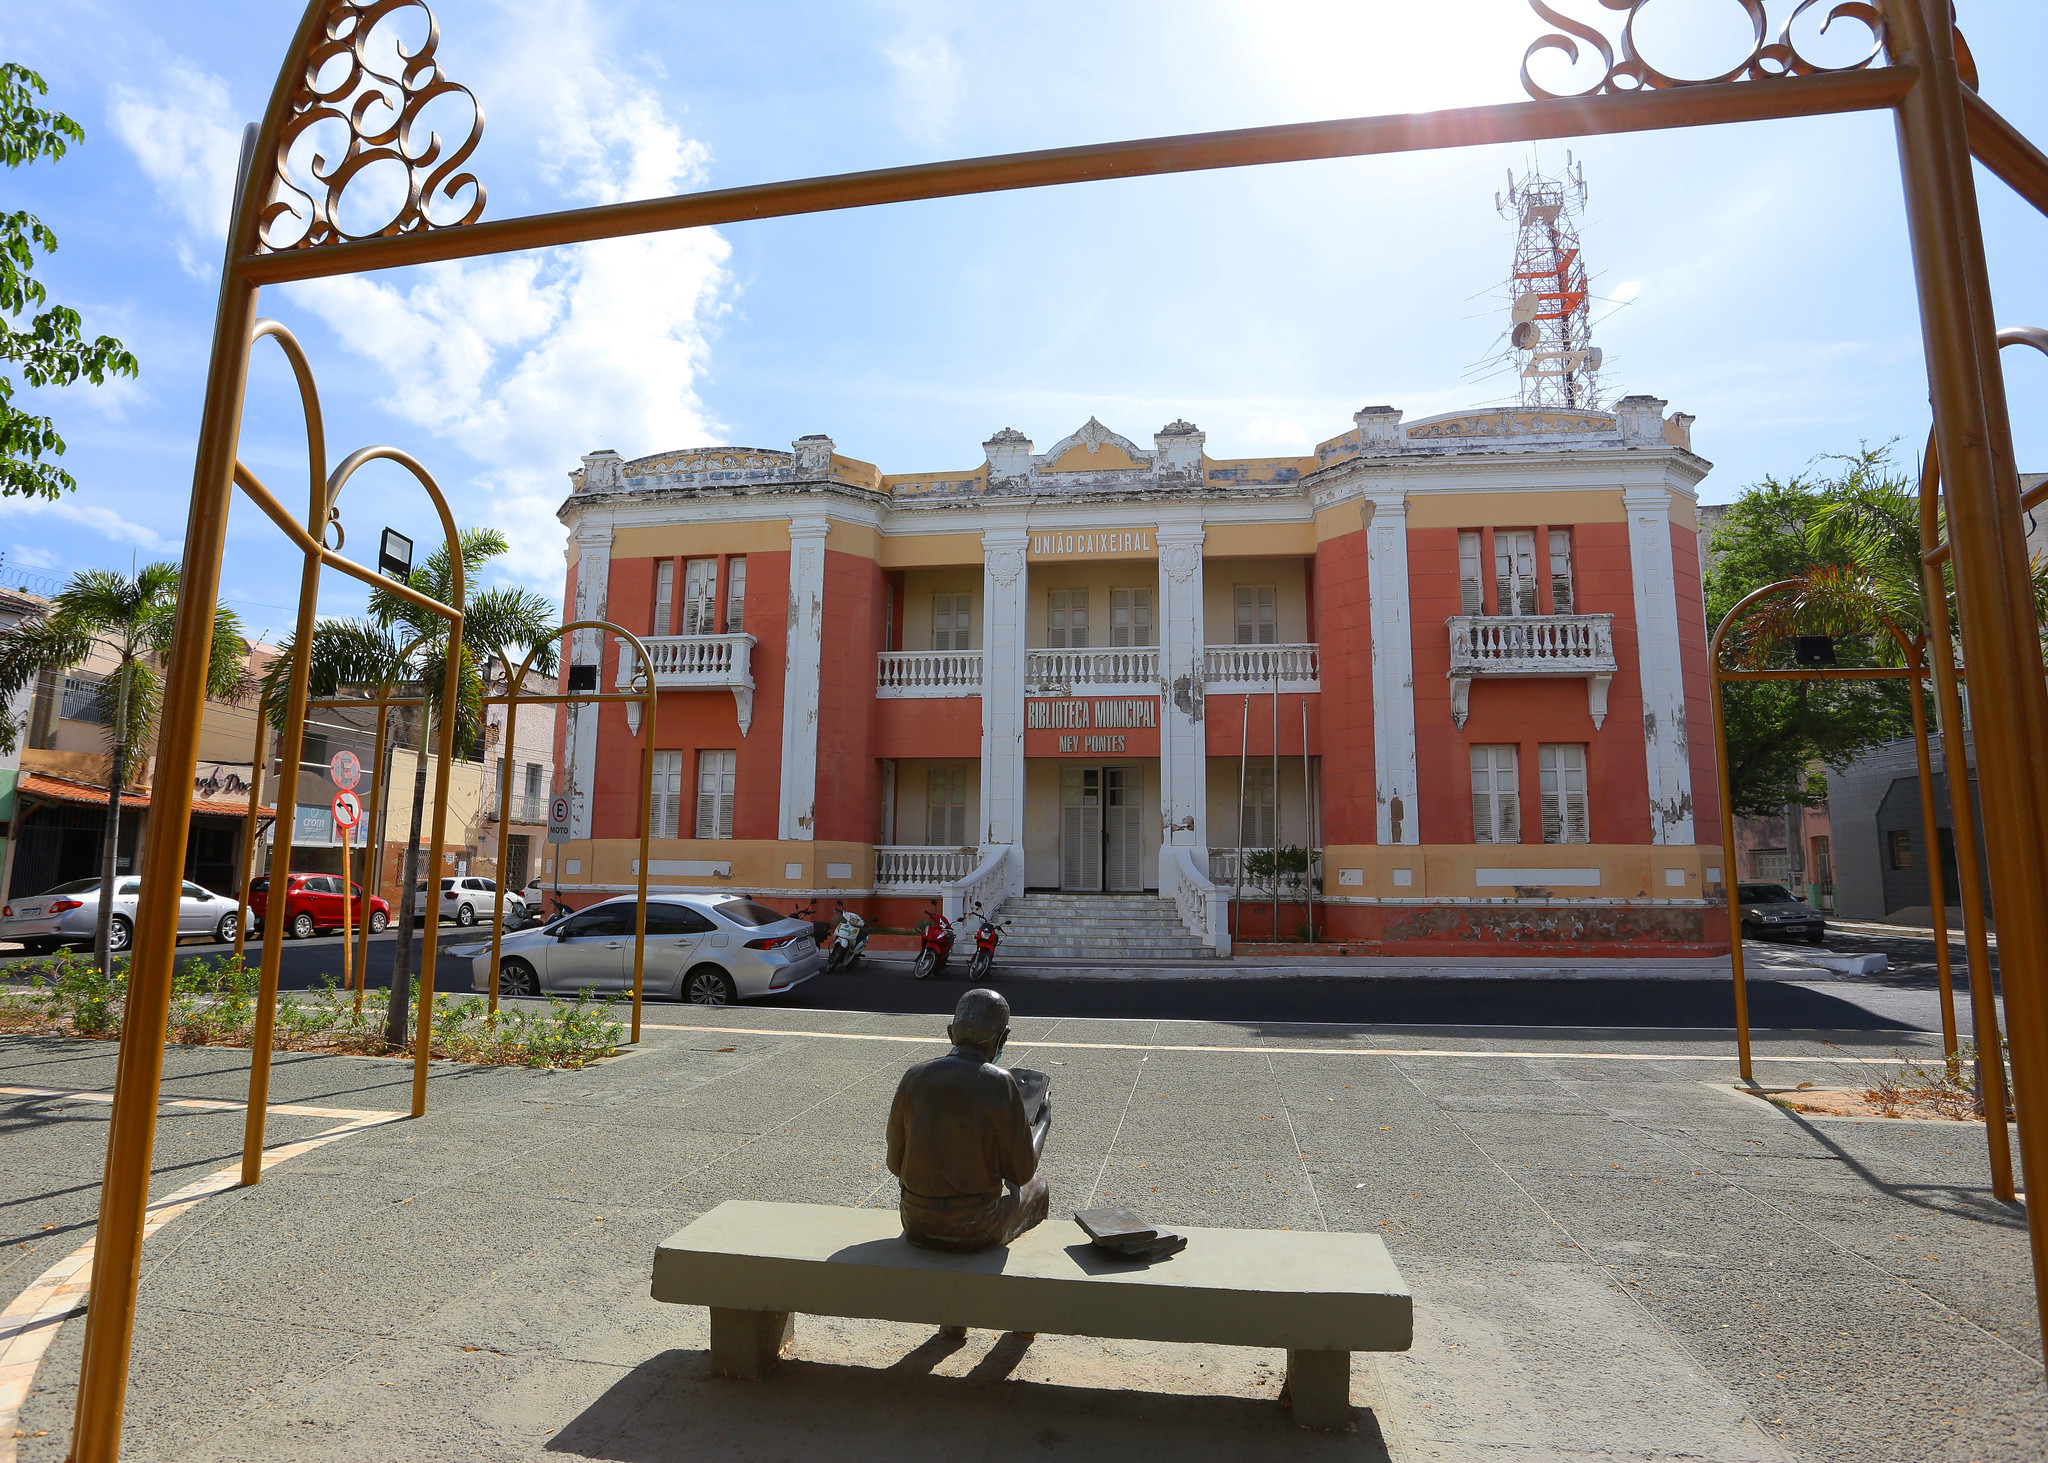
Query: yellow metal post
[[1728, 858], [373, 861], [249, 830], [2001, 643], [1937, 888]]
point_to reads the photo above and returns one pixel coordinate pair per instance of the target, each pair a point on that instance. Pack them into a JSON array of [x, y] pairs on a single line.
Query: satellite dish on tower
[[1525, 307], [1594, 356], [1523, 335]]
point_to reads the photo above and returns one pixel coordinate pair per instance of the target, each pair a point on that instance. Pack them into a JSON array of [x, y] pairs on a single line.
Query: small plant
[[1290, 864], [213, 1003]]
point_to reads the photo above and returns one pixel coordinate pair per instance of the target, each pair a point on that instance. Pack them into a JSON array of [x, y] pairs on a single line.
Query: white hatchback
[[467, 899]]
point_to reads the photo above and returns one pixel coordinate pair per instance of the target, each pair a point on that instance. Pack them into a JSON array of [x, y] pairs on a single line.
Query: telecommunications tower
[[1559, 364]]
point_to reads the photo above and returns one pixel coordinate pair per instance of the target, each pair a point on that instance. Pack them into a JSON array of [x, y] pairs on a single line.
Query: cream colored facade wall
[[1289, 578], [1223, 784], [1259, 540], [1630, 872], [1098, 579], [1514, 510], [759, 866], [920, 550], [919, 585], [913, 798]]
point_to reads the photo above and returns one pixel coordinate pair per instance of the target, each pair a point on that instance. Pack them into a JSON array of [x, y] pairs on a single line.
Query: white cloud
[[184, 137], [28, 556], [1627, 290], [524, 362], [103, 521], [927, 83]]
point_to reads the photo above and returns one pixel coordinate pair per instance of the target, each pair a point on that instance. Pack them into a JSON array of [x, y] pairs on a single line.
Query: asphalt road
[[1903, 998]]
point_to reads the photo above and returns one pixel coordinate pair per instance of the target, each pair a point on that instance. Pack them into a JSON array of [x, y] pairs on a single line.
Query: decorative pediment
[[1091, 441]]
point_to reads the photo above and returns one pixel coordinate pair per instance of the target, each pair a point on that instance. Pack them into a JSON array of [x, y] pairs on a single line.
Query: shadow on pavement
[[672, 1408], [1657, 1004]]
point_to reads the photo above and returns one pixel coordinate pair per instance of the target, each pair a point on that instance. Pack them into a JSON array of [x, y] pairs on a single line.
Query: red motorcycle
[[935, 943], [985, 940]]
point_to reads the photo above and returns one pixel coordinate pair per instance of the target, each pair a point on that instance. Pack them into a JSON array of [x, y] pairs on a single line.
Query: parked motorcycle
[[821, 929], [935, 943], [849, 939], [985, 940]]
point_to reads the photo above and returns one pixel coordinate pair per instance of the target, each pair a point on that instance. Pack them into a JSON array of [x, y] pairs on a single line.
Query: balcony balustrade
[[526, 807], [899, 867], [1237, 669], [917, 674], [1531, 645], [699, 663], [1064, 672]]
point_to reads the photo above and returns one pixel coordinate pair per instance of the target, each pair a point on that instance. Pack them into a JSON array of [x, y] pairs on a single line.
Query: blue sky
[[1757, 277]]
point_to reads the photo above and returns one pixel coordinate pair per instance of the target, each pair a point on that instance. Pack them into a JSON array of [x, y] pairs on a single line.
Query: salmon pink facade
[[1437, 687]]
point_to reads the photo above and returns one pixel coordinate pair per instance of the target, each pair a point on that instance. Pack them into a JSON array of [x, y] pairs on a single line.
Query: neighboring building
[[59, 819], [1059, 669], [533, 758], [16, 605]]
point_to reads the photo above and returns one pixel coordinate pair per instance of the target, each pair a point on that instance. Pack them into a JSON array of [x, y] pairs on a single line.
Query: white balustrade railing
[[698, 663], [1297, 667], [1225, 865], [681, 661], [897, 866], [1073, 669], [1572, 645], [1203, 904], [988, 885], [924, 673]]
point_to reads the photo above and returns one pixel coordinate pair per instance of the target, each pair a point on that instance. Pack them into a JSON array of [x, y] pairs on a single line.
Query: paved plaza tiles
[[1614, 1256]]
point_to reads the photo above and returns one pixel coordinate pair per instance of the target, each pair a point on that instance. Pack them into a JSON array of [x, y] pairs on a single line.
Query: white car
[[708, 949], [467, 899], [69, 914]]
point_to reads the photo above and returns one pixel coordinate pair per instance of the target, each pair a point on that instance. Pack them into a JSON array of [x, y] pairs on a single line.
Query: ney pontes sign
[[1083, 726]]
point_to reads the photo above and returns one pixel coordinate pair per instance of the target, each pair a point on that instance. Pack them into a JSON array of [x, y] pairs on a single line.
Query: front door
[[1081, 829], [1123, 839], [1102, 821]]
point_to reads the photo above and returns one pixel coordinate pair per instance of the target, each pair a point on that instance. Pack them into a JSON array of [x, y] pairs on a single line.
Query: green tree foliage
[[130, 619], [399, 643], [52, 350], [1849, 530]]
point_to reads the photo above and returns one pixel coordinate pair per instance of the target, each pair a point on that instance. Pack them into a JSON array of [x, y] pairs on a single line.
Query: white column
[[1183, 752], [1393, 669], [1004, 586], [800, 678], [593, 599], [1656, 596]]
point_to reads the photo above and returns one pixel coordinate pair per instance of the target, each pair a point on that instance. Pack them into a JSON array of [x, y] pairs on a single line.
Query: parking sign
[[558, 818]]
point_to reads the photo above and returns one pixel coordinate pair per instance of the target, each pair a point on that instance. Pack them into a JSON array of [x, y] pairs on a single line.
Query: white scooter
[[849, 939]]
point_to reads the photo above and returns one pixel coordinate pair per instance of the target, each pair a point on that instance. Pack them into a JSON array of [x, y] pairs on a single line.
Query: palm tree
[[130, 617], [372, 651]]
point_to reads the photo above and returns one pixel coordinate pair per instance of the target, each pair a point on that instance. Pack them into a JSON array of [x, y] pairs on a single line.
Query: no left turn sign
[[348, 810]]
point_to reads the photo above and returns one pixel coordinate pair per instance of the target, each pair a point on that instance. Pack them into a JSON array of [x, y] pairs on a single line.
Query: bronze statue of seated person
[[965, 1137]]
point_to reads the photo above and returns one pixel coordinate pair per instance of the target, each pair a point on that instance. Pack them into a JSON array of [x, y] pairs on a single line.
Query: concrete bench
[[1317, 1296]]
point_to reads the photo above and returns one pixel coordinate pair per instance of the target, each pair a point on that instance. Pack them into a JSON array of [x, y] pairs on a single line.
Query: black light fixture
[[1813, 650], [583, 678], [394, 555]]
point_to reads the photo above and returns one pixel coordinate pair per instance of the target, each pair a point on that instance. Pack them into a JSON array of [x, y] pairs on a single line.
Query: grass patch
[[1917, 1089], [213, 1003]]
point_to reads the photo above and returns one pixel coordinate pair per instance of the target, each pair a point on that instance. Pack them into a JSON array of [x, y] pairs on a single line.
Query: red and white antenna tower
[[1560, 366]]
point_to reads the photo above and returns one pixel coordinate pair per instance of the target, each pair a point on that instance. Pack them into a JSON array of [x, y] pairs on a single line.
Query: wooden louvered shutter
[[1561, 571], [1565, 815], [1471, 589]]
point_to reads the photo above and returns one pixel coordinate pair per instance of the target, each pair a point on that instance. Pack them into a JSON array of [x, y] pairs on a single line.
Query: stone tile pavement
[[1614, 1255]]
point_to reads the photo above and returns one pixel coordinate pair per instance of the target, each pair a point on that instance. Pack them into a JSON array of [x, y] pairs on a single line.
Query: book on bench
[[1122, 1232]]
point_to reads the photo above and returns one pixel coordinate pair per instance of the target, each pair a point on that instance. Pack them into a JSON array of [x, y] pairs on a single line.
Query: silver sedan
[[69, 915], [709, 949]]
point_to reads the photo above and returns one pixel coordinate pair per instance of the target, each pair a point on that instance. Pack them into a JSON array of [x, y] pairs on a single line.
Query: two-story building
[[1460, 661]]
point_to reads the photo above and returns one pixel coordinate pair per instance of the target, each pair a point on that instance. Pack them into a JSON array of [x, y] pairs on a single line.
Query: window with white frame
[[1130, 617], [1562, 766], [1471, 586], [1514, 571], [1066, 619], [700, 594], [715, 771], [1496, 796], [1258, 614], [664, 597], [735, 594], [946, 807], [1259, 826], [665, 803], [952, 621], [1561, 598]]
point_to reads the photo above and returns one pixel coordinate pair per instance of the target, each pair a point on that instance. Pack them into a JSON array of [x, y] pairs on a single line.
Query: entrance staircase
[[1095, 928]]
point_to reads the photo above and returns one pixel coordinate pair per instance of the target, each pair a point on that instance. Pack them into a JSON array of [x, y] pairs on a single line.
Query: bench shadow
[[673, 1408]]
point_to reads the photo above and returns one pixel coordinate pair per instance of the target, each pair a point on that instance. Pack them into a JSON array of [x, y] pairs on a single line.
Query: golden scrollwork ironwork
[[1770, 56], [381, 111]]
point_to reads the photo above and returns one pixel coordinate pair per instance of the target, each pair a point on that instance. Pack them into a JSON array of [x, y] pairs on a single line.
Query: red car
[[312, 902]]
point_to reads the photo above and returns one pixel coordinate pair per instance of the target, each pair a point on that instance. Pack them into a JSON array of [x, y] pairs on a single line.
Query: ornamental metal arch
[[644, 696], [288, 226]]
